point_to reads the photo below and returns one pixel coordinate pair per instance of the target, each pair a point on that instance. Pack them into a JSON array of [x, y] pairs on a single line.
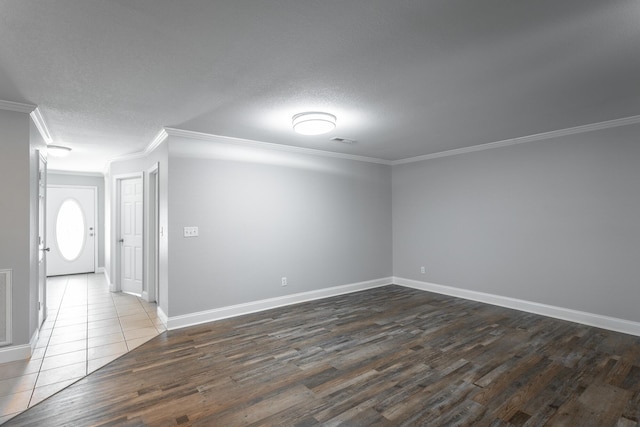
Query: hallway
[[87, 327]]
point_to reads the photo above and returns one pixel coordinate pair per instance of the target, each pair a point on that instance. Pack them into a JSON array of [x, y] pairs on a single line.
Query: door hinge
[[39, 305]]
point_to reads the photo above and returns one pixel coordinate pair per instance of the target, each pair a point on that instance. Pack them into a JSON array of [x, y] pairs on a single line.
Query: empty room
[[340, 213]]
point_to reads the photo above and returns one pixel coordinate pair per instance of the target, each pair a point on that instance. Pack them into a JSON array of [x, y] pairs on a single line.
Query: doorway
[[71, 230]]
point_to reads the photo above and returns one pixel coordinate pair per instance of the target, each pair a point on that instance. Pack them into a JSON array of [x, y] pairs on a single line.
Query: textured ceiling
[[404, 78]]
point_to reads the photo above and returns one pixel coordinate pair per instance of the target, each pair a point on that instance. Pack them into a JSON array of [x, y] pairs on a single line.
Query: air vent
[[343, 140]]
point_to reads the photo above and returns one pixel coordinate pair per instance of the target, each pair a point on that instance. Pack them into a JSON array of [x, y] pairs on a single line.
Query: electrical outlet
[[284, 281], [422, 270], [190, 231]]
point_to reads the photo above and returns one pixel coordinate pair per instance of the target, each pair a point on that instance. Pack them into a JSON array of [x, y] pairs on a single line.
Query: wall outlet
[[284, 281], [190, 231], [422, 270]]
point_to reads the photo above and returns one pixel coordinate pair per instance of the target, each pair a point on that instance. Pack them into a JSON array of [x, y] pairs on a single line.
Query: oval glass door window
[[70, 226]]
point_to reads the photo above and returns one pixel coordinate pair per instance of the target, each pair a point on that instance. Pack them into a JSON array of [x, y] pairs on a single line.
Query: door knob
[[121, 240], [46, 249]]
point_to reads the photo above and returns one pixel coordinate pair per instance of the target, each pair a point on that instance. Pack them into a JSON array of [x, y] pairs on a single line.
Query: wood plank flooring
[[386, 357]]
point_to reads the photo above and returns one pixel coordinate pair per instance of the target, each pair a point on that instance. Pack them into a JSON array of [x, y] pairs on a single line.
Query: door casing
[[152, 235], [42, 239]]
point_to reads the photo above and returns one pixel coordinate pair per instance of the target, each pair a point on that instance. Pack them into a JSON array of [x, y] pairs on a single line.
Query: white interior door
[[71, 230], [131, 233], [42, 240]]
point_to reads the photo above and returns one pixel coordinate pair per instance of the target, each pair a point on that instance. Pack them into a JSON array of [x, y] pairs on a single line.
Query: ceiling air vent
[[343, 140]]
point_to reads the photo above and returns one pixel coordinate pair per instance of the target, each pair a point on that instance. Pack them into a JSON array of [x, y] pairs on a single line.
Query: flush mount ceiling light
[[314, 123], [58, 150]]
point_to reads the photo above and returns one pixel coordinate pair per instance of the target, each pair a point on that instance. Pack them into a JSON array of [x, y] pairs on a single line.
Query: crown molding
[[38, 120], [159, 139], [520, 140], [35, 114], [16, 106], [270, 146], [166, 132]]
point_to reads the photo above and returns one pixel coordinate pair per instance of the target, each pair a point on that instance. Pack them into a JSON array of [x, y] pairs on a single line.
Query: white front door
[[131, 235], [71, 230]]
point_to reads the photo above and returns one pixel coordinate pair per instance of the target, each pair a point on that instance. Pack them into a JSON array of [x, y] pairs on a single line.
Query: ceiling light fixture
[[58, 150], [314, 123]]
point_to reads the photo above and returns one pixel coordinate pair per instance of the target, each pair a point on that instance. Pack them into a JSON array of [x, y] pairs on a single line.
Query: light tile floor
[[87, 327]]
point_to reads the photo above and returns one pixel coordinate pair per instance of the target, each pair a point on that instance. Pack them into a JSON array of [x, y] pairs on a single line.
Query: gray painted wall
[[61, 178], [18, 218], [264, 214], [14, 216], [555, 222]]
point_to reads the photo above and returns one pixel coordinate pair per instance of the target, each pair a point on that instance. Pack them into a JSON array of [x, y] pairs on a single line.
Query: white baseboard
[[145, 296], [162, 316], [100, 270], [191, 319], [14, 353], [112, 286], [590, 319]]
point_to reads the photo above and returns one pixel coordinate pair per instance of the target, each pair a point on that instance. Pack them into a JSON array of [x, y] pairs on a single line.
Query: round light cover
[[314, 123]]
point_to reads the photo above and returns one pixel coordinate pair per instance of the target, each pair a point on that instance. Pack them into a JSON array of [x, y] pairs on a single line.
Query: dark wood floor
[[388, 356]]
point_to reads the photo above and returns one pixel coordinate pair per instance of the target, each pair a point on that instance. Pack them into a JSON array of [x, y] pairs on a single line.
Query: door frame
[[42, 240], [151, 236], [95, 216], [115, 236]]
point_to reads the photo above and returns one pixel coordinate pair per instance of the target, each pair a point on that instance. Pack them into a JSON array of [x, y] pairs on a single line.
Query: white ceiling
[[405, 78]]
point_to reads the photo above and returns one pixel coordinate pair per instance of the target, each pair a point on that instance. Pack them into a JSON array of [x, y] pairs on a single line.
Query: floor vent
[[5, 307]]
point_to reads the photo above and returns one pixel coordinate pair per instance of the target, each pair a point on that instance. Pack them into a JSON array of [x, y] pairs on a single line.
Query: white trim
[[17, 107], [107, 278], [100, 270], [128, 175], [159, 139], [41, 125], [520, 140], [270, 146], [151, 238], [191, 319], [590, 319], [34, 341], [8, 307], [63, 172], [15, 353], [165, 132], [162, 316]]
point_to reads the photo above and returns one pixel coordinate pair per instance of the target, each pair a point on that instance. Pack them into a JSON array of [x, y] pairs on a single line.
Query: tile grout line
[[86, 342], [35, 384], [66, 297]]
